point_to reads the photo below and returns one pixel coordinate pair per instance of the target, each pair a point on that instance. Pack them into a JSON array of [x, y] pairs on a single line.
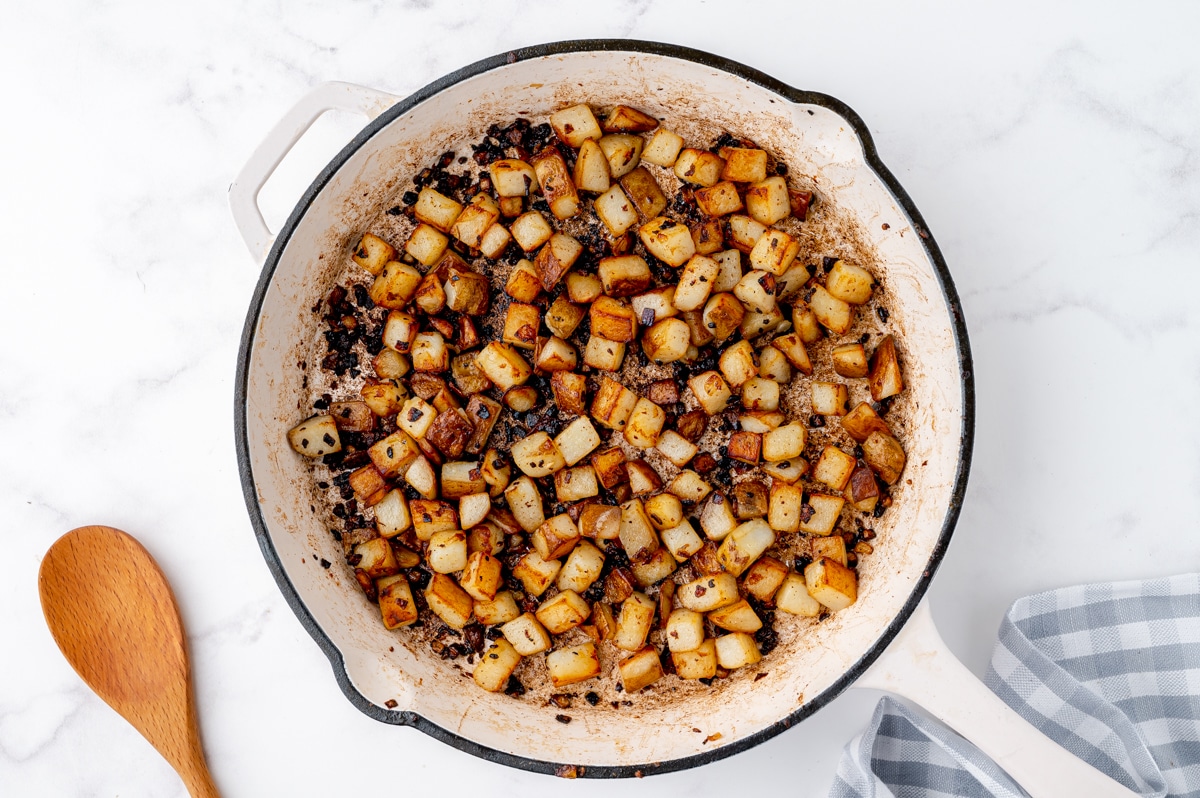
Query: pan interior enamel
[[812, 140]]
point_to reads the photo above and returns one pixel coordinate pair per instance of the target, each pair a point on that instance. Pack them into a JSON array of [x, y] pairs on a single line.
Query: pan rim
[[751, 75]]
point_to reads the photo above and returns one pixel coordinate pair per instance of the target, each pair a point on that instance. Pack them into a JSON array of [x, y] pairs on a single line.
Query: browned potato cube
[[834, 467], [792, 347], [663, 148], [850, 360], [382, 398], [774, 252], [862, 491], [636, 533], [395, 285], [792, 282], [497, 472], [831, 583], [555, 354], [537, 456], [774, 365], [885, 456], [695, 283], [499, 610], [525, 502], [689, 486], [366, 482], [736, 650], [643, 191], [430, 353], [750, 499], [426, 244], [676, 448], [575, 125], [523, 282], [737, 364], [745, 446], [476, 218], [576, 484], [526, 635], [496, 666], [583, 565], [805, 322], [430, 517], [591, 169], [666, 341], [511, 178], [645, 424], [613, 404], [801, 202], [466, 292], [708, 236], [396, 601], [462, 478], [784, 443], [623, 152], [885, 379], [563, 612], [829, 398], [764, 578], [569, 389], [767, 201], [600, 521], [373, 253], [657, 567], [685, 630], [700, 663], [535, 574], [503, 365], [711, 391], [583, 289], [719, 200], [521, 323], [625, 275], [745, 544], [437, 210], [860, 422], [654, 305], [708, 593], [376, 558], [555, 258], [792, 597], [739, 617], [744, 232], [448, 601], [530, 230], [785, 509], [450, 432], [668, 240], [467, 374], [556, 184], [823, 516], [613, 320], [394, 454], [610, 467], [571, 665], [483, 414], [616, 210], [390, 364], [634, 622], [744, 165], [604, 354], [624, 119], [850, 283], [400, 331], [831, 312], [723, 315], [641, 670], [833, 547], [699, 167]]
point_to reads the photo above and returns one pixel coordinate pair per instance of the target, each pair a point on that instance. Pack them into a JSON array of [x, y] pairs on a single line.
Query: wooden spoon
[[112, 613]]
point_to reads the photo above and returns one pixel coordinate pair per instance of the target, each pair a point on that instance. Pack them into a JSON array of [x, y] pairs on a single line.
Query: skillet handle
[[918, 666], [243, 192]]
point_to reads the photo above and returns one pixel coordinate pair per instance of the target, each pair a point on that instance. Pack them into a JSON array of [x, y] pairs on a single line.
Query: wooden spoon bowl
[[112, 613]]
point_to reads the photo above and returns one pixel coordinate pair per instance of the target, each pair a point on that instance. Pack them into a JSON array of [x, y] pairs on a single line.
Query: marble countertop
[[1054, 151]]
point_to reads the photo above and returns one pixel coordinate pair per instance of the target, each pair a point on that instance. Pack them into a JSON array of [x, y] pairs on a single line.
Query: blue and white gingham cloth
[[1111, 672]]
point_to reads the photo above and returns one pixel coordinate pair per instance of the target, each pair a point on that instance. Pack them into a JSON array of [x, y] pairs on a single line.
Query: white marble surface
[[1055, 153]]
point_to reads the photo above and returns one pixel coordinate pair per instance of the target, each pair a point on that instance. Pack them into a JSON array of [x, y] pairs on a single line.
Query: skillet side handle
[[243, 192], [918, 666]]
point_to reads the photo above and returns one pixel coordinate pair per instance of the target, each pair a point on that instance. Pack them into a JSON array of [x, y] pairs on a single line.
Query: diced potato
[[885, 456], [448, 601], [789, 471], [616, 210], [729, 272], [862, 492], [658, 567], [738, 617], [699, 167], [737, 364], [623, 118], [503, 365], [685, 630], [523, 283], [604, 354], [774, 365], [613, 319], [644, 192], [395, 286], [600, 521], [709, 236], [825, 513], [572, 665], [774, 252], [833, 547], [373, 253], [750, 499], [390, 364], [708, 593], [831, 583], [530, 230], [555, 354], [511, 207], [830, 398], [668, 240], [850, 283], [755, 323], [636, 534], [716, 519], [789, 284], [537, 456], [376, 558], [696, 282], [525, 502], [591, 168], [805, 322], [487, 537], [664, 510], [481, 576], [436, 210], [689, 486], [744, 165], [645, 424], [834, 467], [850, 360], [786, 507], [426, 244], [723, 315], [885, 378], [641, 670], [785, 443], [431, 517], [556, 184], [663, 148], [634, 622], [496, 665], [391, 514], [666, 341], [393, 454], [625, 275], [526, 635], [761, 421], [745, 544], [860, 422], [475, 219], [400, 331], [583, 289], [536, 573], [681, 540], [711, 391], [421, 477], [447, 551], [563, 612], [582, 567], [614, 403], [700, 663], [556, 258], [467, 375], [315, 436], [497, 472], [511, 177], [577, 440], [416, 417], [654, 305], [466, 292], [461, 478], [792, 597], [383, 398], [366, 482], [744, 232], [502, 609], [576, 484], [719, 200], [429, 352], [834, 314], [756, 290], [767, 201], [676, 448], [575, 125], [610, 466], [521, 399], [473, 508], [643, 479], [736, 650], [396, 601], [483, 414], [623, 152], [764, 578], [556, 537], [760, 394]]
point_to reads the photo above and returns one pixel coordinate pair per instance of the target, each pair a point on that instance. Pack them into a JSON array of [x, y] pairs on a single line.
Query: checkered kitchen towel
[[1111, 672]]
